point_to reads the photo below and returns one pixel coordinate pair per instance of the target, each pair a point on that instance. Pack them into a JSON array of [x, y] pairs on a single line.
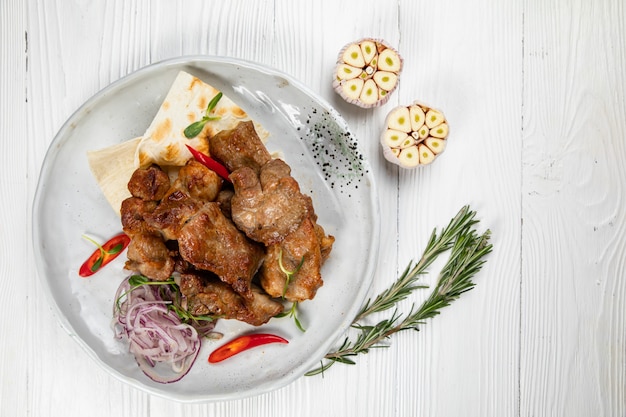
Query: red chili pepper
[[242, 343], [210, 163], [104, 254]]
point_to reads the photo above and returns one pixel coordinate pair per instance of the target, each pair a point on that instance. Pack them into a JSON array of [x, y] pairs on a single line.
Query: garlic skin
[[367, 72], [414, 135]]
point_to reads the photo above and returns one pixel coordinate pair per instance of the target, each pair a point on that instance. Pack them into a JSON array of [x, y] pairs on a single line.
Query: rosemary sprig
[[293, 311], [467, 252]]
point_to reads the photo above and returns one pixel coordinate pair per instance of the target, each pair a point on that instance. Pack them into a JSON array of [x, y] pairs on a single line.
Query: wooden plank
[[465, 59], [14, 220], [572, 351]]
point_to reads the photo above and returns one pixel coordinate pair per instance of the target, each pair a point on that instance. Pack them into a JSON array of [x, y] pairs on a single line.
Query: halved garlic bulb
[[414, 135], [372, 62]]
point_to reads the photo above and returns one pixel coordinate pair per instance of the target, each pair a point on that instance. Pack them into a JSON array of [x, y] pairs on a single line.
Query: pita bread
[[112, 167], [164, 141]]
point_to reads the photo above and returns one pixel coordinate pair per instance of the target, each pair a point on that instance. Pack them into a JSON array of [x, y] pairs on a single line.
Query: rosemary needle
[[467, 251]]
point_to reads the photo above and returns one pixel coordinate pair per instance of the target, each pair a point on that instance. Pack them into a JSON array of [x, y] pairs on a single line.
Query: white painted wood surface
[[535, 92]]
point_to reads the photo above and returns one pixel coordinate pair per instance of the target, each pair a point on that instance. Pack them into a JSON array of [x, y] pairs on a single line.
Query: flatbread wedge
[[112, 168], [164, 142]]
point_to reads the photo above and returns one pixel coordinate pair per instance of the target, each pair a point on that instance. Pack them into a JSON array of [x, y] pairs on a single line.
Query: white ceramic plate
[[325, 159]]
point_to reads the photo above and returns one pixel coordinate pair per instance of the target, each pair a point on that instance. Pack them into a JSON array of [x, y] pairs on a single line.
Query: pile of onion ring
[[164, 347]]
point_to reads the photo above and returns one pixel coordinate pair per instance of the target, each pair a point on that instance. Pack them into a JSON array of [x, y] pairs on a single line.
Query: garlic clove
[[353, 56], [436, 145], [408, 141], [389, 60], [352, 88], [439, 131], [399, 119], [409, 157], [386, 80], [369, 51], [423, 132], [426, 156], [348, 72], [417, 117], [369, 94], [394, 138], [433, 118]]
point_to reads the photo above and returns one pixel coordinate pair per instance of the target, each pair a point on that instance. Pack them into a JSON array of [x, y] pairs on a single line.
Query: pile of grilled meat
[[232, 247]]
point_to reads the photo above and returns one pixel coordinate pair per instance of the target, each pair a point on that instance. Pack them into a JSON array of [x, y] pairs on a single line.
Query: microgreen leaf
[[195, 128], [96, 265], [213, 104], [115, 249]]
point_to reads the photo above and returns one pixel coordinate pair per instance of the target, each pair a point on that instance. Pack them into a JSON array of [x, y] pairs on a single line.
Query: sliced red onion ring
[[165, 348]]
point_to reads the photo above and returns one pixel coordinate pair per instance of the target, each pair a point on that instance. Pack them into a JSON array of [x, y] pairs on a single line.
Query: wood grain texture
[[535, 95], [14, 382], [573, 356], [467, 63]]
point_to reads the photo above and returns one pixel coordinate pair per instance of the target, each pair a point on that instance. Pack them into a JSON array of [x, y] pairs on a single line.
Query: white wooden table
[[535, 92]]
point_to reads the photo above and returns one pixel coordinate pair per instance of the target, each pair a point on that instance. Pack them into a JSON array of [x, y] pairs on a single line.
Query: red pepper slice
[[104, 254], [242, 343], [210, 163]]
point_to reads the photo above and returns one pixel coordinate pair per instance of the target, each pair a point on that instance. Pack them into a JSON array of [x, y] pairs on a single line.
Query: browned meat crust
[[207, 295], [172, 213], [134, 211], [239, 147], [211, 242], [149, 183], [148, 255], [300, 253], [198, 181], [269, 206]]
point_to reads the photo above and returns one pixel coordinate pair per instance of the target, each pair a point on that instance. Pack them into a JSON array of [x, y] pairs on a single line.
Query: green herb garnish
[[103, 252], [195, 128], [292, 312], [289, 274], [136, 281], [467, 251]]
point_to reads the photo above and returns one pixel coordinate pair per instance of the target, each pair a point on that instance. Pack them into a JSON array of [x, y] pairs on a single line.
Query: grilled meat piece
[[239, 147], [223, 198], [211, 242], [208, 295], [326, 241], [300, 253], [133, 212], [198, 181], [172, 213], [148, 255], [149, 183], [269, 206]]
